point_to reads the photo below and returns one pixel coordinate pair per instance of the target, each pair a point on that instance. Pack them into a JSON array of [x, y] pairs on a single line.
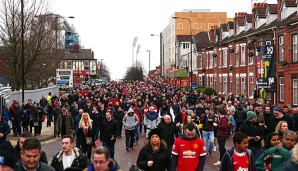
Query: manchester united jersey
[[188, 152]]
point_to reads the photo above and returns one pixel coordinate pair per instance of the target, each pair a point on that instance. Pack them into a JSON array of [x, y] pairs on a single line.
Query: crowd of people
[[182, 129]]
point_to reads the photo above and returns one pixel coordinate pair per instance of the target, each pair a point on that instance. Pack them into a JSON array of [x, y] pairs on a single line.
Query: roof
[[183, 38], [83, 54]]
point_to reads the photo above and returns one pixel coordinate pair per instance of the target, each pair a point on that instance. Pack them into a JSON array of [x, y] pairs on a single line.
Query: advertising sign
[[64, 77], [266, 69]]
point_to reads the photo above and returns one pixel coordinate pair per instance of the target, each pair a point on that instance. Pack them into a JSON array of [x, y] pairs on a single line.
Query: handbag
[[89, 140], [133, 167]]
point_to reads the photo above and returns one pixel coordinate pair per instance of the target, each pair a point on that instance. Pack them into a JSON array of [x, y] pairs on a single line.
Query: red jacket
[[222, 127]]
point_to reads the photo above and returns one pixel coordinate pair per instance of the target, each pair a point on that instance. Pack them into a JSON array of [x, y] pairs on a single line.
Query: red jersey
[[240, 161], [189, 152]]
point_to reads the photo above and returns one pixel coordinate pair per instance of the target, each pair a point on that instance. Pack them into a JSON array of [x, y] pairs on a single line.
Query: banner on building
[[266, 68]]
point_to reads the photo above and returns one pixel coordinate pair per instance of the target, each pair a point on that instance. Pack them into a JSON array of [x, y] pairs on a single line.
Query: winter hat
[[7, 154], [130, 110], [251, 115], [277, 108], [154, 131]]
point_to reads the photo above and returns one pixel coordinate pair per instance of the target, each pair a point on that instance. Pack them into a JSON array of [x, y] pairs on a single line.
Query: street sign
[[64, 77], [62, 83]]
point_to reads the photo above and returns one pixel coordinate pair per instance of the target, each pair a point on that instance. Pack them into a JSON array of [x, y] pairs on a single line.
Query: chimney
[[278, 9], [235, 21], [212, 34], [253, 15]]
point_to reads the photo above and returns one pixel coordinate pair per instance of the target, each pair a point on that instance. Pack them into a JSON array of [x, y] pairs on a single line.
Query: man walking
[[130, 120], [109, 132], [69, 156], [188, 151]]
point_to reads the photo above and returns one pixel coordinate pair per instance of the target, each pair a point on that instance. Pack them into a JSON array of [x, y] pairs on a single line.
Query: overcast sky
[[108, 27]]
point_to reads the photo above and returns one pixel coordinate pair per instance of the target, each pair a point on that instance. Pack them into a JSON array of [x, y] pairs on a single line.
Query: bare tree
[[39, 40]]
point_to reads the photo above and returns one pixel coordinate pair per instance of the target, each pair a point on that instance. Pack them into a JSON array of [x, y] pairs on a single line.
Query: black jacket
[[109, 129], [240, 115], [252, 129], [80, 160], [161, 159], [168, 132], [43, 156]]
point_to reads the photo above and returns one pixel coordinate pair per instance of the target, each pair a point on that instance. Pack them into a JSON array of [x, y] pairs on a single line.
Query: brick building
[[238, 60]]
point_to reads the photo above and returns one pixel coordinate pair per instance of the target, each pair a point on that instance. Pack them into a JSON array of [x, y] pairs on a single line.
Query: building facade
[[194, 22], [255, 54]]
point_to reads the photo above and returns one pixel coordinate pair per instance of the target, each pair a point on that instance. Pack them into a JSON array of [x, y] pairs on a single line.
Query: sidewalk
[[47, 133]]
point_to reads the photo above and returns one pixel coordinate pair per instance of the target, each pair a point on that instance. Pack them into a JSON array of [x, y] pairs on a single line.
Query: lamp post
[[190, 30], [149, 64], [162, 58], [22, 50]]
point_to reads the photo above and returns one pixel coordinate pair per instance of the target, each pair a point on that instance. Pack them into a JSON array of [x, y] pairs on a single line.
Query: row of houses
[[256, 52]]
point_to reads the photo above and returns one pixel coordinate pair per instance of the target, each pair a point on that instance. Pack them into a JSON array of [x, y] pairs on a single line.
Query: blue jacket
[[113, 166], [5, 130], [227, 161]]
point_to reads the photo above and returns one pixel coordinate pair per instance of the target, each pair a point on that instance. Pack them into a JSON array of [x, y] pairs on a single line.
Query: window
[[294, 48], [268, 42], [215, 81], [231, 58], [195, 25], [281, 48], [211, 82], [215, 62], [231, 84], [207, 60], [185, 45], [225, 60], [295, 97], [220, 58], [242, 55], [237, 56], [251, 86], [201, 81], [251, 59], [243, 88], [237, 85], [201, 61], [180, 26], [220, 84], [225, 85], [211, 60], [281, 89]]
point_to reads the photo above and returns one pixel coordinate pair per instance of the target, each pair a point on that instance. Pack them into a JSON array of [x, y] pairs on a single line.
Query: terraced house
[[256, 52]]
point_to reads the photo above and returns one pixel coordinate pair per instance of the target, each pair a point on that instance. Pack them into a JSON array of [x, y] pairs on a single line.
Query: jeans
[[208, 137], [137, 133], [129, 137], [16, 126], [111, 147], [221, 144]]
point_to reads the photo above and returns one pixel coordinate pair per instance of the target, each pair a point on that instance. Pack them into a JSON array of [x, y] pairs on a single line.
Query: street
[[124, 158]]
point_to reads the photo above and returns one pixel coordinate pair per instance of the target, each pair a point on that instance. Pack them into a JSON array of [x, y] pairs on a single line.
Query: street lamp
[[149, 64], [22, 50], [190, 48], [162, 58]]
